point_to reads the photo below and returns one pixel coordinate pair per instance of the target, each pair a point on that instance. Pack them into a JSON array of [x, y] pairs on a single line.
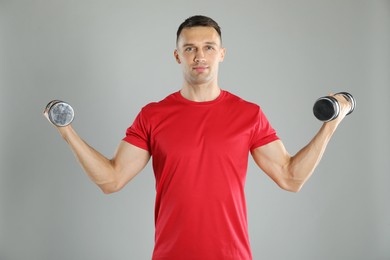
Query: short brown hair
[[198, 20]]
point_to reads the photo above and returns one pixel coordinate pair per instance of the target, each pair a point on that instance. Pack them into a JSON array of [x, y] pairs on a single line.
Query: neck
[[200, 93]]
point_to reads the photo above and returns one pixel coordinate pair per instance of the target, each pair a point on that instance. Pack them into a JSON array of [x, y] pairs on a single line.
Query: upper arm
[[273, 159], [127, 162]]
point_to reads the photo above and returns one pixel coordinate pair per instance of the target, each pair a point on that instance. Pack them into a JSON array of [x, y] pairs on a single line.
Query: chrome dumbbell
[[59, 113], [328, 108]]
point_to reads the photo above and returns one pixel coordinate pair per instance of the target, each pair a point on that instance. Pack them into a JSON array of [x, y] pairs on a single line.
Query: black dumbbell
[[60, 113], [327, 108]]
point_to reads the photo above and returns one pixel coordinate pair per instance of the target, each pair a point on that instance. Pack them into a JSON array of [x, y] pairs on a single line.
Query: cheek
[[187, 59], [215, 58]]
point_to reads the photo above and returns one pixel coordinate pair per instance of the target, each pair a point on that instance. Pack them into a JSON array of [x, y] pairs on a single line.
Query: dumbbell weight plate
[[60, 113], [326, 108]]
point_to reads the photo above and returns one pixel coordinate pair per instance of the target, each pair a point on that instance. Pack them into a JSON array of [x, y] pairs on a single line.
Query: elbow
[[291, 184], [293, 188], [108, 191], [109, 188], [112, 186], [293, 181]]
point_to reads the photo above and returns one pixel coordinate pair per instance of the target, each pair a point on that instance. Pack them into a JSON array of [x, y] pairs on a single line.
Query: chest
[[194, 131]]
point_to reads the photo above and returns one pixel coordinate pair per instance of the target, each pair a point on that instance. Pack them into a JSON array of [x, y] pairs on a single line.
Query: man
[[200, 138]]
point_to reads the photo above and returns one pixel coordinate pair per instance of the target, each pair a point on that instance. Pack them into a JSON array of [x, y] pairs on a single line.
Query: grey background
[[110, 58]]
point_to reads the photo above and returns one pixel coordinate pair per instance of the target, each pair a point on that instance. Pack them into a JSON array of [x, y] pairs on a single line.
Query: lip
[[200, 68]]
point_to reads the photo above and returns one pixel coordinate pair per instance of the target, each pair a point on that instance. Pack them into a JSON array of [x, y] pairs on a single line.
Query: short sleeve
[[263, 132], [137, 134]]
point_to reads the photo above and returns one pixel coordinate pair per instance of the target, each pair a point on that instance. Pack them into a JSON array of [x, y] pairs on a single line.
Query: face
[[199, 52]]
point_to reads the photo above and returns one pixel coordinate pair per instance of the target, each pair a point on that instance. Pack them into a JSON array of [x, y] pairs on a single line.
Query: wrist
[[65, 131], [330, 127]]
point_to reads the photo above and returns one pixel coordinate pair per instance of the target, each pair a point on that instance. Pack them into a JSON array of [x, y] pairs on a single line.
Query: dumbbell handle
[[328, 108]]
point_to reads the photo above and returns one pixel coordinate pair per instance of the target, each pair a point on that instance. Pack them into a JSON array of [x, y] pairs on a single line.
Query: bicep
[[273, 159], [128, 161]]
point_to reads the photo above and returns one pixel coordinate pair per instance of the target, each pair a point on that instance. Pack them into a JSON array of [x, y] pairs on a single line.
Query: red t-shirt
[[200, 155]]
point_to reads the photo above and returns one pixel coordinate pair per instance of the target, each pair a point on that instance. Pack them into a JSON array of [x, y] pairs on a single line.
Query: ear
[[222, 54], [176, 54]]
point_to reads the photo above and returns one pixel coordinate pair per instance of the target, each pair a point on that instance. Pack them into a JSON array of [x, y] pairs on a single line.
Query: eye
[[189, 49], [210, 48]]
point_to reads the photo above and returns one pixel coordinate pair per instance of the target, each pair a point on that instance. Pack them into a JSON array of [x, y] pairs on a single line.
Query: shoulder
[[154, 107], [242, 103]]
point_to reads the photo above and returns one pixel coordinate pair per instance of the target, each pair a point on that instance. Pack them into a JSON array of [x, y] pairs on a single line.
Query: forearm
[[98, 168], [302, 165]]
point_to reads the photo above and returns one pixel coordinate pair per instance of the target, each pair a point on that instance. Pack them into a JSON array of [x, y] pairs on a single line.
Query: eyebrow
[[206, 43]]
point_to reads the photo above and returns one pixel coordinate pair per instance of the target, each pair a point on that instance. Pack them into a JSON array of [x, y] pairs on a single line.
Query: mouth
[[200, 68]]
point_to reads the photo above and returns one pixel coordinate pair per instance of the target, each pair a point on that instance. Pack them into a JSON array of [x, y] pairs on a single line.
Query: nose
[[199, 57]]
